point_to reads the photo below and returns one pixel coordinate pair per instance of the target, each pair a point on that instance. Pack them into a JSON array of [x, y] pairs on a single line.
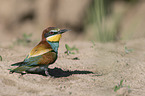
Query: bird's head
[[53, 34]]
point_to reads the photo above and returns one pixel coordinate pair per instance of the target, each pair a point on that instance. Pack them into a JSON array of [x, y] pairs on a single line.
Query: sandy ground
[[99, 69]]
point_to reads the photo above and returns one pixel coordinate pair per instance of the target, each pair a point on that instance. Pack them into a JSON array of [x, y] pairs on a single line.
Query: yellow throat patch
[[54, 38]]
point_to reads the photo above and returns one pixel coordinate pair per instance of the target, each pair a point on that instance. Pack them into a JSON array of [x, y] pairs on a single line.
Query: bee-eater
[[42, 55]]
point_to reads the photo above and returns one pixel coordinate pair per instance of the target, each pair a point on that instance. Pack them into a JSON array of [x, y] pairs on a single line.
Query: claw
[[47, 73]]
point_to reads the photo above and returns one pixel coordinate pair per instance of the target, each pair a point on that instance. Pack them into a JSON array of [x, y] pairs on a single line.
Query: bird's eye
[[51, 33]]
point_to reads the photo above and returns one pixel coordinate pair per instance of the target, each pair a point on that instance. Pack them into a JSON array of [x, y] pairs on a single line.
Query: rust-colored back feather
[[40, 49]]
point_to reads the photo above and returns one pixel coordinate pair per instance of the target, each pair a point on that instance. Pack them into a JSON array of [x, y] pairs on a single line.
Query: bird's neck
[[54, 45]]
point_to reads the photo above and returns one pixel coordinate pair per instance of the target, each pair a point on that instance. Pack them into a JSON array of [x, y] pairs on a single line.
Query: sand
[[100, 67]]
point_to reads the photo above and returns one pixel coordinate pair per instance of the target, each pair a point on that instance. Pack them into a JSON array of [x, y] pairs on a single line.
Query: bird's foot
[[47, 73]]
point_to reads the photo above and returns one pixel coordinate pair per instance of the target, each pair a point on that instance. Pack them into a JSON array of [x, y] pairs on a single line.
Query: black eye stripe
[[49, 34], [52, 33]]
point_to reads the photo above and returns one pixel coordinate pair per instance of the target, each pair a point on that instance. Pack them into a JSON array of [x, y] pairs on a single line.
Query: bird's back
[[42, 48]]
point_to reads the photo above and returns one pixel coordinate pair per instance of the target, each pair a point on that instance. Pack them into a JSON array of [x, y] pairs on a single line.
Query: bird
[[43, 54]]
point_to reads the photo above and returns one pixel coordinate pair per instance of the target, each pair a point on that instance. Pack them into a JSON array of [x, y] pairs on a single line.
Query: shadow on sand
[[58, 72]]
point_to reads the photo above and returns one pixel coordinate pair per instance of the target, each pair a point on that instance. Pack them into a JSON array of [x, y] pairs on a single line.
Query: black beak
[[63, 30]]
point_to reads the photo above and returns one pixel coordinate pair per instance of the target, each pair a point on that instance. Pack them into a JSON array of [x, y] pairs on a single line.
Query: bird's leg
[[46, 70]]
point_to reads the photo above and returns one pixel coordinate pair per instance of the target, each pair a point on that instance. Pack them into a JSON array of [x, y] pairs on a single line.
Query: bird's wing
[[41, 54], [41, 48], [43, 59], [17, 64], [31, 62]]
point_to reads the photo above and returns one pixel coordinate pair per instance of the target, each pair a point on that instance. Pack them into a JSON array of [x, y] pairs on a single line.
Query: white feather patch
[[54, 31]]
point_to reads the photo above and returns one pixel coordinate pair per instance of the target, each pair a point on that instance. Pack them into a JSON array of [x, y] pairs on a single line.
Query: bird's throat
[[54, 45], [54, 38]]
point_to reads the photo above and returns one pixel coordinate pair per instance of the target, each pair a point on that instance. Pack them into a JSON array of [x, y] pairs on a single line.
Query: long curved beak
[[63, 30]]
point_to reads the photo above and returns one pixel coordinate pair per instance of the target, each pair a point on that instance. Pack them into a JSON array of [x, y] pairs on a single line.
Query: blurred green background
[[97, 20]]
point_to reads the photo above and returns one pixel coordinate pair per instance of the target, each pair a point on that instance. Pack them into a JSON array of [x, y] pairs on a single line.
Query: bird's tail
[[20, 69], [17, 64]]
